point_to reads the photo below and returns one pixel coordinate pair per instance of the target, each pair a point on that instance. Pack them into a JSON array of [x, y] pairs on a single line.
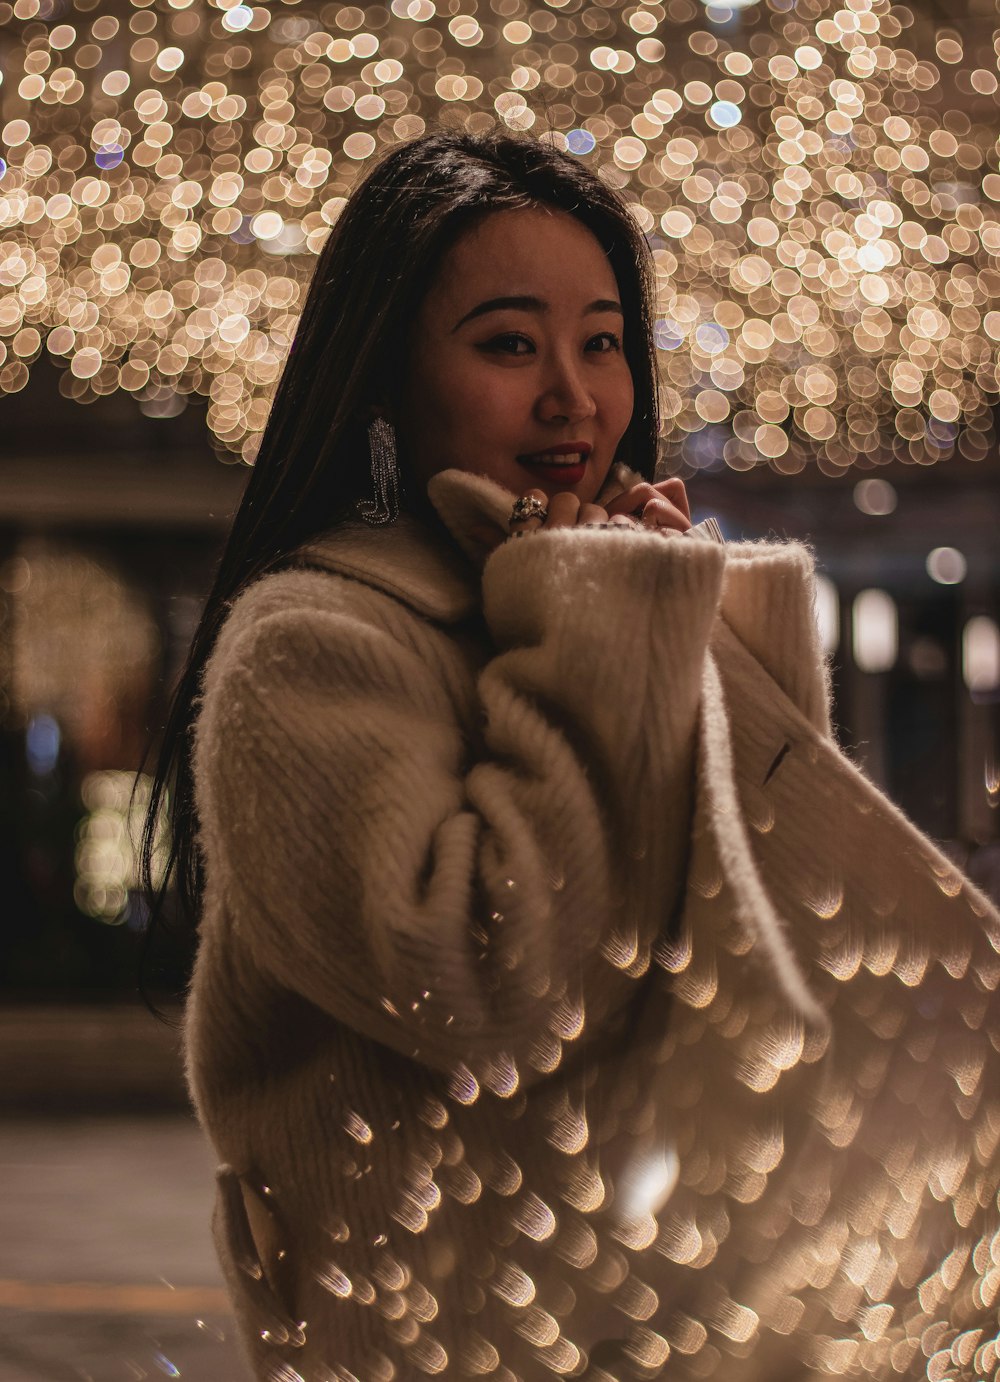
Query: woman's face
[[516, 368]]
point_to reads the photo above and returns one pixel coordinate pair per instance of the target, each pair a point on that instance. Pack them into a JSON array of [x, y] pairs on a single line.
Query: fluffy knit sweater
[[566, 1003]]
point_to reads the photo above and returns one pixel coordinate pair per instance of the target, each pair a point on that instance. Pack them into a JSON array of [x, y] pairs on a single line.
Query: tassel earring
[[384, 506]]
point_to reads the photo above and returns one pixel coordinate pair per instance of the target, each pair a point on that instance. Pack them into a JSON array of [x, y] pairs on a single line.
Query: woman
[[531, 883]]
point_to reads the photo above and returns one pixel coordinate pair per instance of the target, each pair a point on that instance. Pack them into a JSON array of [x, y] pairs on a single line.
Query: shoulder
[[277, 592], [291, 620], [264, 610]]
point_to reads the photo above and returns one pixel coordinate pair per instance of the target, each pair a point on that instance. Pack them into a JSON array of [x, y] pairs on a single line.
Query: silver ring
[[528, 506]]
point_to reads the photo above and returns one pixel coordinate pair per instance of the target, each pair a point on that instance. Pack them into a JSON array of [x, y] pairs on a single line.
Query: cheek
[[437, 397], [620, 401], [485, 401], [464, 416]]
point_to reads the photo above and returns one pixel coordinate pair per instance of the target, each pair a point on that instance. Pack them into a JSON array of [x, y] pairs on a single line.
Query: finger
[[528, 525], [660, 513], [675, 491], [591, 513], [563, 510], [633, 500]]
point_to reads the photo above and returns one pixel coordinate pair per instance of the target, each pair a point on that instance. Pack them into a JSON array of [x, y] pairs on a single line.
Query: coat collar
[[409, 560]]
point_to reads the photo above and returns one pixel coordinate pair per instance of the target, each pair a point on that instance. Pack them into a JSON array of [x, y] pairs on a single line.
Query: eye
[[604, 343], [510, 343]]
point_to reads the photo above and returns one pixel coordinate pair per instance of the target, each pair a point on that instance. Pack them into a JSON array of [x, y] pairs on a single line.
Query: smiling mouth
[[555, 462]]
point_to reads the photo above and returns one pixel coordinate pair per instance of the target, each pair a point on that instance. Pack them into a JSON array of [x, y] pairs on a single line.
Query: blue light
[[243, 235], [41, 745], [942, 433], [712, 338], [109, 155], [580, 142], [137, 913], [703, 450], [668, 335], [3, 167], [726, 114]]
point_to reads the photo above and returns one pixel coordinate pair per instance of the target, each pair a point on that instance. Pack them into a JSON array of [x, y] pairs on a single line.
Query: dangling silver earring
[[384, 506]]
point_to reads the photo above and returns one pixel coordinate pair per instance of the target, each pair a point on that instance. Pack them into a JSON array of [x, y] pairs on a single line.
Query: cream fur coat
[[567, 1004]]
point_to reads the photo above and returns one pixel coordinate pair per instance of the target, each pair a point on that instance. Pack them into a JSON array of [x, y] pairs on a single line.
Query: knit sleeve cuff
[[597, 583], [769, 601]]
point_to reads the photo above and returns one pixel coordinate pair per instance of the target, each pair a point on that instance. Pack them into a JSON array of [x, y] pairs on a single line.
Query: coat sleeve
[[769, 602], [470, 907]]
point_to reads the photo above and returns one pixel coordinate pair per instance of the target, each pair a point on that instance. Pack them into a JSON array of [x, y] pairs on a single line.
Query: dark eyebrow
[[530, 304]]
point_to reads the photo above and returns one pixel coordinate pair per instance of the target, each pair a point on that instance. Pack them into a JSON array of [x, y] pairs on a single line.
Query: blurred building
[[111, 517]]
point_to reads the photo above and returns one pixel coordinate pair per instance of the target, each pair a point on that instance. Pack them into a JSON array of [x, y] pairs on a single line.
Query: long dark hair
[[312, 467]]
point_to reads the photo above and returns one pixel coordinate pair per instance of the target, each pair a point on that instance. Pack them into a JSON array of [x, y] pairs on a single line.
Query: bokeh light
[[947, 566], [875, 630], [106, 857], [875, 497], [820, 186]]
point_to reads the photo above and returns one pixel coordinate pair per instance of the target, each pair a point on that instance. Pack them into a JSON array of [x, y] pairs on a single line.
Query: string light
[[819, 184]]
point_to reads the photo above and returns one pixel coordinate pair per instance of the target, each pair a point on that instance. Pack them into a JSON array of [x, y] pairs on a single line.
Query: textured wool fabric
[[566, 1003]]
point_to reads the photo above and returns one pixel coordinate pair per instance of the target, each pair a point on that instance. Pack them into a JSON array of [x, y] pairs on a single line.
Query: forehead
[[536, 252]]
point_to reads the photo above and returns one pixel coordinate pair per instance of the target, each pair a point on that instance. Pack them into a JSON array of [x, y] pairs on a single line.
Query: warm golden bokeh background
[[819, 185]]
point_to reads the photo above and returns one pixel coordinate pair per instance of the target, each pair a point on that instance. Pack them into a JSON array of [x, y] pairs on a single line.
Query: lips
[[570, 453], [565, 473], [564, 464]]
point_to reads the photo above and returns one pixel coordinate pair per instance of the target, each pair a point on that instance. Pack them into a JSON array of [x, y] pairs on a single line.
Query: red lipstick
[[567, 473]]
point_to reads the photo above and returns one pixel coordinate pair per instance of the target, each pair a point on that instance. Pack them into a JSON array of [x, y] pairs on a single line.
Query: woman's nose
[[565, 395]]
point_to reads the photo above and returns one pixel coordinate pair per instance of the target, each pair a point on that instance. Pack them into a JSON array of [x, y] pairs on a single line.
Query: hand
[[663, 507], [566, 511]]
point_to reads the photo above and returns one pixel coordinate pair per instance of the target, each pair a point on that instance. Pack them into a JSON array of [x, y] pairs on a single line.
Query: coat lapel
[[405, 560]]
